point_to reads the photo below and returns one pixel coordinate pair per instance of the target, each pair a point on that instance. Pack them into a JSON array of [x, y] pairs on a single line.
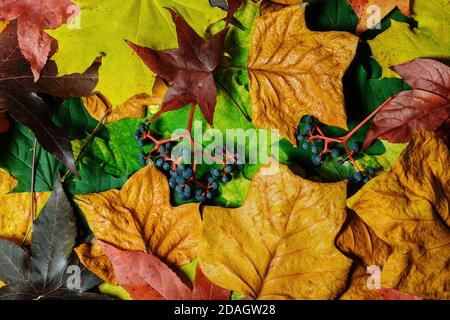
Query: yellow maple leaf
[[280, 243], [408, 208], [296, 72], [140, 218]]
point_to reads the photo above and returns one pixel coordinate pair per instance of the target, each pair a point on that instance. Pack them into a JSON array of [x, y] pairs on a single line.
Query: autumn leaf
[[280, 243], [146, 277], [92, 256], [362, 7], [401, 43], [123, 219], [408, 208], [17, 95], [359, 241], [33, 18], [42, 273], [134, 19], [133, 108], [296, 72], [189, 69], [427, 106]]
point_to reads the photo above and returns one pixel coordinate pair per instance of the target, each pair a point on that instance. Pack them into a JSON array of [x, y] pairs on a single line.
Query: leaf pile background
[[354, 173]]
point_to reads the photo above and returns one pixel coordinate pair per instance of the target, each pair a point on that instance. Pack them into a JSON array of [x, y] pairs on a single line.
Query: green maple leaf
[[400, 43], [104, 25]]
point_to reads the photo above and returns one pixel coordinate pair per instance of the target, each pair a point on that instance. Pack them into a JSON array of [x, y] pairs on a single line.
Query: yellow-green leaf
[[400, 44]]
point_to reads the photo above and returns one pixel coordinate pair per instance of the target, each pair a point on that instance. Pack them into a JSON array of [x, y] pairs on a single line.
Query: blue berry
[[357, 176], [307, 127], [179, 189], [162, 149], [335, 153], [159, 163], [314, 149], [200, 198], [317, 160], [371, 171], [209, 195], [138, 135], [166, 166], [229, 168], [198, 192], [215, 172], [226, 179], [309, 120], [355, 147], [214, 186], [305, 145], [366, 179], [180, 180], [300, 138], [188, 173], [142, 158], [240, 166], [172, 183]]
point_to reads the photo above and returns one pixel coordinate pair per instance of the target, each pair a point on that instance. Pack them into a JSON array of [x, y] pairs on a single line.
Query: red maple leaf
[[427, 106], [188, 69], [35, 16], [146, 277]]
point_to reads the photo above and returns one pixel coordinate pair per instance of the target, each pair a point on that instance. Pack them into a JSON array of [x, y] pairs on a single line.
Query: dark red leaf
[[391, 294], [406, 113], [188, 69], [426, 74]]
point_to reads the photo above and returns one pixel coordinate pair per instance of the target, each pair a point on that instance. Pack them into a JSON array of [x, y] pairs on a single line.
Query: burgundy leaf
[[391, 294], [17, 95], [406, 113], [188, 69], [426, 74]]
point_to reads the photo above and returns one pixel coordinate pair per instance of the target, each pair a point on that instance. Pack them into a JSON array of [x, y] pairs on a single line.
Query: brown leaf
[[361, 8], [4, 121], [296, 72], [280, 243], [408, 208], [360, 242], [141, 218], [146, 277]]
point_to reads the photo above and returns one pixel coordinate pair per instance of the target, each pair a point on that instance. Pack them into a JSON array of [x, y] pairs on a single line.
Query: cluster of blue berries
[[182, 175]]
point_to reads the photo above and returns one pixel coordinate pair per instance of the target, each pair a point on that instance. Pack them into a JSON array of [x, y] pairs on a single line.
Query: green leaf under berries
[[326, 15]]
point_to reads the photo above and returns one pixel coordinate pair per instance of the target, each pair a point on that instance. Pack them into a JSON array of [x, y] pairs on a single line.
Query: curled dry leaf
[[296, 72], [408, 208], [280, 243], [33, 18], [15, 210], [362, 7], [92, 256], [140, 218], [359, 241], [134, 108], [146, 277]]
